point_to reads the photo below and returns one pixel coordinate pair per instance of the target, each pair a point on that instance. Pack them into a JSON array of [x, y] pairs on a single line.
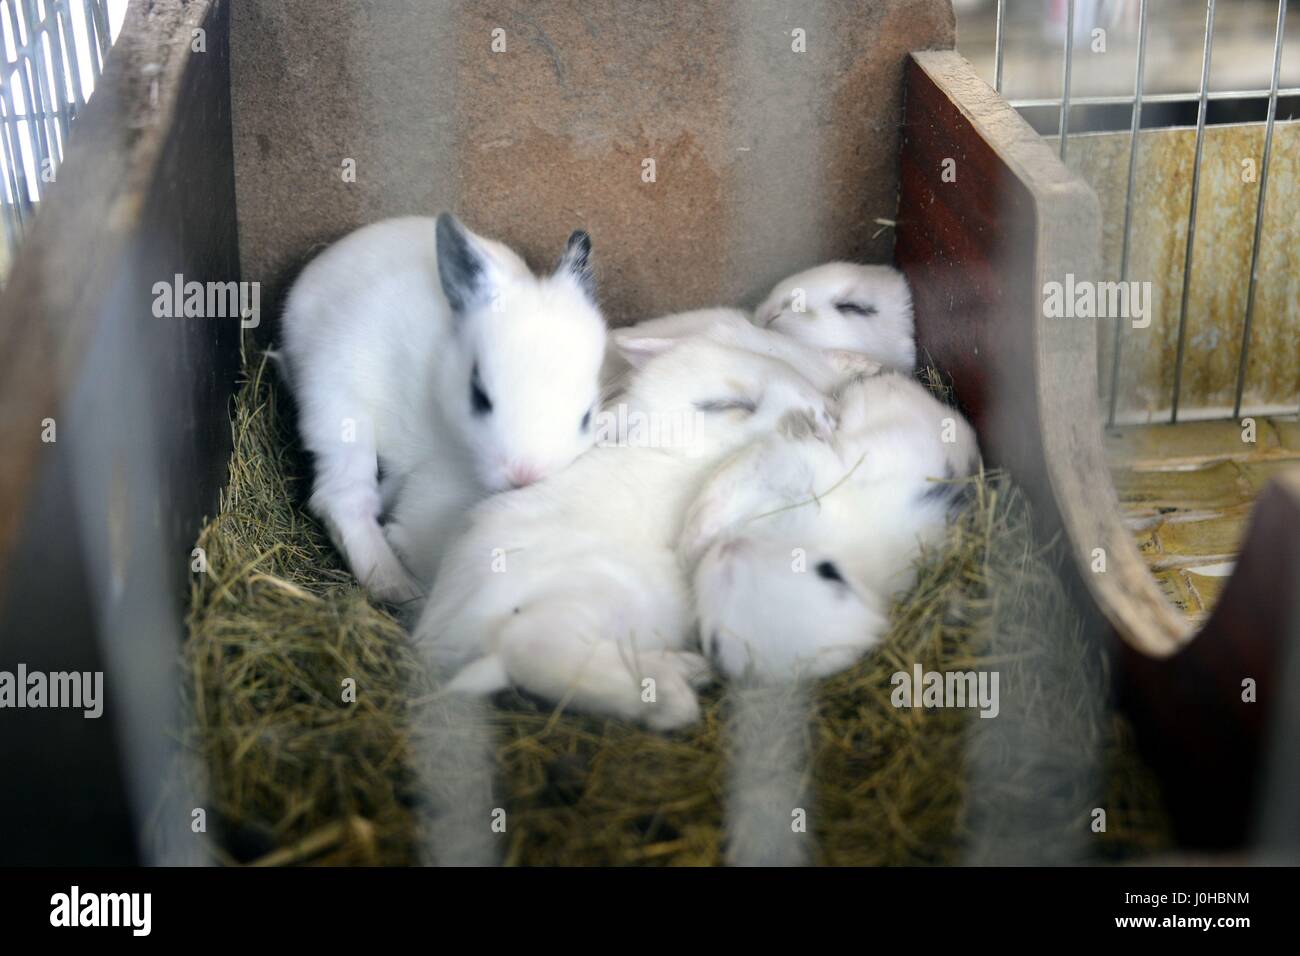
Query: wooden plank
[[978, 247], [1197, 730], [768, 160], [1029, 384], [96, 527]]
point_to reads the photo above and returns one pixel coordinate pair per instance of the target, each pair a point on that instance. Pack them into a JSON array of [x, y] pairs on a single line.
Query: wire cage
[[1066, 103], [54, 52], [230, 164]]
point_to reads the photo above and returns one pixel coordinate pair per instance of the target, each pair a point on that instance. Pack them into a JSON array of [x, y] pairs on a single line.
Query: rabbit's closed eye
[[713, 405], [855, 308]]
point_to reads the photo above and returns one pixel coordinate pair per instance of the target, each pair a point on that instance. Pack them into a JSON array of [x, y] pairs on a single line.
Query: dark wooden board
[[978, 252], [97, 527]]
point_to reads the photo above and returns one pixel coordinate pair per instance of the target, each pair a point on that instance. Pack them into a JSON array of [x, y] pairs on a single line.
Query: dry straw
[[298, 775]]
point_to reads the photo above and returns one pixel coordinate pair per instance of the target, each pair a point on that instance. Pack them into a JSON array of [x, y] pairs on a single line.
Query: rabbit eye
[[827, 571], [853, 308], [586, 420], [478, 399]]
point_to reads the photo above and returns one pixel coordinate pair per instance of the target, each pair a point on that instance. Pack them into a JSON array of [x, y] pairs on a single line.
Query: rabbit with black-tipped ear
[[418, 350], [846, 305], [798, 544], [571, 588]]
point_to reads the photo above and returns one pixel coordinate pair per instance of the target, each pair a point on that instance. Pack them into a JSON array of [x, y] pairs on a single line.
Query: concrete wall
[[766, 159]]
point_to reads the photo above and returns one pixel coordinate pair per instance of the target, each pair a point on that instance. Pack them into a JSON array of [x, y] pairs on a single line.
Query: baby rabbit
[[844, 305], [859, 316], [415, 347], [825, 368], [798, 544], [571, 589]]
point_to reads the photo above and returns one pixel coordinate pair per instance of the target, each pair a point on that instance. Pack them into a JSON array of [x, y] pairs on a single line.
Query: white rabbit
[[844, 305], [824, 367], [416, 348], [571, 588], [798, 544]]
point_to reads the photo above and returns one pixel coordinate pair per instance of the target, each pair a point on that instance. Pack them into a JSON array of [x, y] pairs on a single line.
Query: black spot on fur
[[827, 571], [949, 492]]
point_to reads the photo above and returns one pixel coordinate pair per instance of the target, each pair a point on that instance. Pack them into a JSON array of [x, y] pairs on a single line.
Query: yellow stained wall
[[1225, 229]]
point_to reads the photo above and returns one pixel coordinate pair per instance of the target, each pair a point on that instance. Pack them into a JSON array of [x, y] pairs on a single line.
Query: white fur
[[381, 349], [824, 367], [817, 308], [780, 507], [571, 588]]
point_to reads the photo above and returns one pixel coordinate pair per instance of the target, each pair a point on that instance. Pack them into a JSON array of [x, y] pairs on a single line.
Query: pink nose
[[522, 474]]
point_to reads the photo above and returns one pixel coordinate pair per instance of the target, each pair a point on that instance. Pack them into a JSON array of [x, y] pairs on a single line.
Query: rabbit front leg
[[346, 497]]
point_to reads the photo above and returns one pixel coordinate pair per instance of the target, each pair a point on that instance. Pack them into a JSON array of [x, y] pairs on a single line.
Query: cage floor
[[1186, 492], [297, 776]]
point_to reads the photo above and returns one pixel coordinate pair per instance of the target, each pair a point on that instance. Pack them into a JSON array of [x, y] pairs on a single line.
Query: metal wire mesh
[[54, 52], [1202, 97]]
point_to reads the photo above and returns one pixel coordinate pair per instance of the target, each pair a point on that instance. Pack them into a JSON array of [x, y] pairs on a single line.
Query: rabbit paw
[[674, 704], [390, 583]]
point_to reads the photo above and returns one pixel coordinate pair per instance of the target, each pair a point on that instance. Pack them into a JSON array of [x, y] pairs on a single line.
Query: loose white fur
[[571, 588], [798, 544], [388, 334]]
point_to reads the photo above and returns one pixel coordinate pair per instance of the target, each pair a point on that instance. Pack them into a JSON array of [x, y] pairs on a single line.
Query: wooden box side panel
[[772, 129], [987, 218], [101, 506]]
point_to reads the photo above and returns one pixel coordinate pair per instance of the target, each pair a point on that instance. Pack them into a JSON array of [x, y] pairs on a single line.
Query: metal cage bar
[[1134, 135], [1191, 213], [1213, 96], [1064, 128], [998, 48], [1136, 101], [1259, 207], [42, 88]]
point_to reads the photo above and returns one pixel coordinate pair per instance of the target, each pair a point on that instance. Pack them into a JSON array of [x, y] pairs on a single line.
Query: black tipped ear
[[461, 266], [576, 260]]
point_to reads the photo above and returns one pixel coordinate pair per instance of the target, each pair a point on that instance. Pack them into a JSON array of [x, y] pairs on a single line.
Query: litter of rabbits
[[300, 772]]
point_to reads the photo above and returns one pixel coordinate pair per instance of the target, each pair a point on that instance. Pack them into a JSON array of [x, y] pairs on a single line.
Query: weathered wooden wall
[[96, 526], [1225, 231], [767, 160]]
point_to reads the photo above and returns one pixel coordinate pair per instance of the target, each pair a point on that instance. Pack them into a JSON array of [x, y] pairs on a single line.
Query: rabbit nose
[[521, 474]]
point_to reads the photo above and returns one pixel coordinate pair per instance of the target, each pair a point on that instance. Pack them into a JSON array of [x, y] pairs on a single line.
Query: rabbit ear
[[851, 363], [639, 349], [576, 261], [463, 266]]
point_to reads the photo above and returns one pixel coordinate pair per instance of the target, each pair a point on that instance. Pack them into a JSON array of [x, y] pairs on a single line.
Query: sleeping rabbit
[[824, 367], [571, 589], [798, 544], [845, 305], [858, 315], [416, 348]]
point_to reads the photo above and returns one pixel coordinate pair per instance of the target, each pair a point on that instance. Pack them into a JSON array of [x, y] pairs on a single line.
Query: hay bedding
[[298, 776]]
